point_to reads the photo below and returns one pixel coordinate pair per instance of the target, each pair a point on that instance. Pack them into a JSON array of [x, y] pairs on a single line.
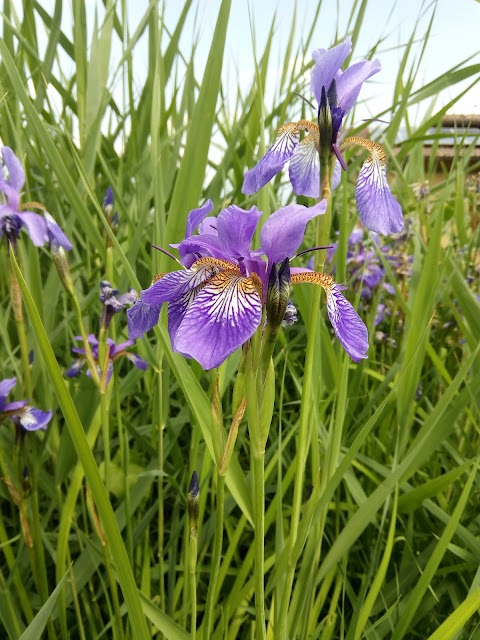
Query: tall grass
[[387, 540]]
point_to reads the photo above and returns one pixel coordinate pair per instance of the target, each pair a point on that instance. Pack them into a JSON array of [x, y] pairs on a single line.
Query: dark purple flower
[[216, 302], [13, 217], [378, 209], [114, 352], [23, 415], [112, 302]]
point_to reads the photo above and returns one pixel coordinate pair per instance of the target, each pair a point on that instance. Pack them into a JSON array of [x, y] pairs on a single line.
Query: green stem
[[192, 568], [92, 365], [217, 554], [258, 460], [17, 306], [104, 406]]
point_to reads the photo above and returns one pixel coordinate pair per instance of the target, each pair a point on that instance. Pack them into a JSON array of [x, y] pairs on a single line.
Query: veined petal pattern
[[225, 313]]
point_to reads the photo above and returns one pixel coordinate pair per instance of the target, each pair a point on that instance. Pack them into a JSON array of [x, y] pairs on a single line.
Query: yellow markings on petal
[[312, 277], [247, 284], [158, 277], [257, 283], [214, 262], [293, 128], [377, 152]]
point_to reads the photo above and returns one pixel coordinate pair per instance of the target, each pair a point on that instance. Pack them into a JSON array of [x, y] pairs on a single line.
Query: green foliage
[[387, 542]]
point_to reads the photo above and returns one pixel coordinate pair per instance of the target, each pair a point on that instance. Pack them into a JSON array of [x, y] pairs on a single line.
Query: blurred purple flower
[[216, 302], [13, 217], [23, 415], [114, 352], [112, 302], [336, 92]]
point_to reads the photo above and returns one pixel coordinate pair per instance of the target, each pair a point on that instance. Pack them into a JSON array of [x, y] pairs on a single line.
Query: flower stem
[[92, 367], [258, 460], [17, 306], [217, 554], [192, 568]]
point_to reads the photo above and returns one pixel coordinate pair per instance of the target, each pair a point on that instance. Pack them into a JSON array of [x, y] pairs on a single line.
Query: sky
[[454, 38]]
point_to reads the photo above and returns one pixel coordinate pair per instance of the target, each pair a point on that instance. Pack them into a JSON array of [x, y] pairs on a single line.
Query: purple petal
[[378, 209], [141, 318], [137, 361], [380, 314], [6, 386], [206, 245], [177, 283], [13, 406], [273, 161], [327, 63], [304, 171], [36, 227], [347, 324], [75, 369], [208, 226], [196, 216], [350, 82], [16, 173], [128, 298], [116, 349], [33, 419], [13, 197], [337, 174], [55, 234], [283, 231], [372, 275], [225, 313], [235, 228]]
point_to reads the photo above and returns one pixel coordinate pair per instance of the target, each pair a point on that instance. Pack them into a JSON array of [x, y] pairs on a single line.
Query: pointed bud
[[193, 500], [326, 130], [63, 268], [278, 294]]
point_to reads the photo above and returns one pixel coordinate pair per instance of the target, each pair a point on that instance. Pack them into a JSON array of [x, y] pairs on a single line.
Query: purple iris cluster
[[366, 256], [336, 92], [217, 301], [225, 290]]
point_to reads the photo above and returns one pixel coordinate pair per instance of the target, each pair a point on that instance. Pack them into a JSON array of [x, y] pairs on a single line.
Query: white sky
[[454, 37]]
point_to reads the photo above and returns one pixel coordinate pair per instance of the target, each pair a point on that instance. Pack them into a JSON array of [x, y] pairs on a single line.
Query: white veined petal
[[305, 169]]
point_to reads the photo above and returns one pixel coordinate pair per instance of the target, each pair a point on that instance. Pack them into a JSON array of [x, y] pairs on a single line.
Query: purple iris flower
[[115, 351], [12, 217], [23, 415], [216, 302], [112, 302], [378, 209]]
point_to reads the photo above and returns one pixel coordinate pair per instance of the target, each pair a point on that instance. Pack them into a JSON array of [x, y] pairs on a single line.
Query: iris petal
[[16, 173], [141, 318], [283, 231], [347, 324], [277, 155], [226, 312], [377, 207], [304, 169], [32, 419], [327, 63]]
